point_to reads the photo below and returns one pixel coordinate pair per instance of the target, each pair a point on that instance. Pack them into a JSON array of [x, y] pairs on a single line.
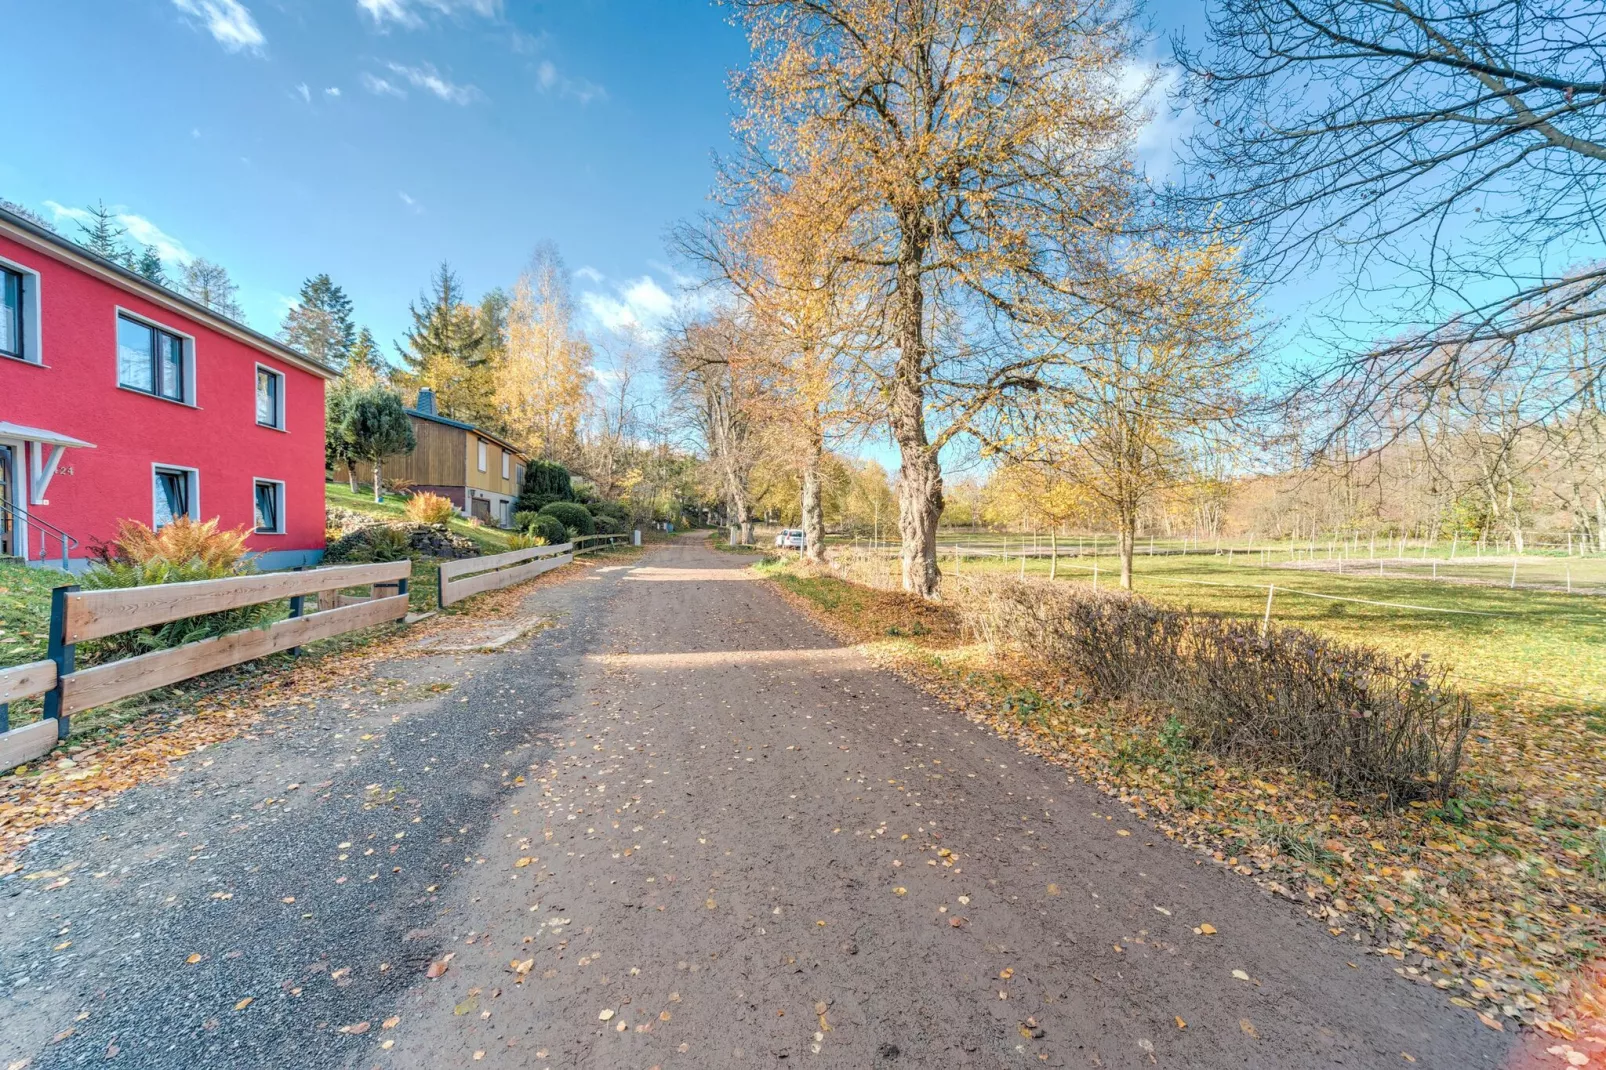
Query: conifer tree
[[446, 351], [150, 266], [103, 236], [320, 324]]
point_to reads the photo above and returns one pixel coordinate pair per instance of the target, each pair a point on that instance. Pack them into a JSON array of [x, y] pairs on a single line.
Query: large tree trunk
[[920, 474], [1129, 528], [813, 507]]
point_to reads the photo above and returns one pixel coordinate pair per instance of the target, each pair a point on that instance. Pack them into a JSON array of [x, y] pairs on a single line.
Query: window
[[11, 315], [19, 313], [482, 455], [269, 507], [507, 465], [150, 359], [270, 398], [174, 494]]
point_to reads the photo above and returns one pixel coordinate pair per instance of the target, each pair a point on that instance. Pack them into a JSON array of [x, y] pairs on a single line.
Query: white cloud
[[332, 91], [228, 21], [407, 12], [550, 79], [141, 231], [428, 78], [589, 273], [304, 92], [636, 303], [417, 208], [195, 132], [1159, 139], [379, 87]]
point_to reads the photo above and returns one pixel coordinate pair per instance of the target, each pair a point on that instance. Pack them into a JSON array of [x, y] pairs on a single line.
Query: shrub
[[615, 510], [525, 541], [524, 519], [430, 508], [1371, 724], [607, 525], [544, 483], [573, 516], [180, 552], [181, 542], [377, 542], [549, 528]]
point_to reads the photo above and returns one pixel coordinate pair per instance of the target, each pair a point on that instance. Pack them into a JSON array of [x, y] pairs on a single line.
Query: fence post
[[1513, 583], [62, 653], [298, 606], [1265, 622]]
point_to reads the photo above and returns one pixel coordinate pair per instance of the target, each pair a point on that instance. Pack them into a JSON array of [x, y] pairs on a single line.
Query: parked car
[[790, 539]]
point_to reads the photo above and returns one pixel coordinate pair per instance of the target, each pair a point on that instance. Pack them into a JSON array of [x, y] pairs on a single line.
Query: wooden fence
[[78, 616], [475, 575]]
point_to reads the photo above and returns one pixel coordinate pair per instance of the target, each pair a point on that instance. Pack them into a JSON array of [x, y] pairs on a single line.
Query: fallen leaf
[[244, 1003], [355, 1029], [521, 863], [900, 891], [63, 1035], [1492, 1023], [964, 900], [439, 966], [1241, 975], [1006, 973], [391, 1023], [1207, 929], [192, 960], [1180, 1023], [607, 1013], [1248, 1028]]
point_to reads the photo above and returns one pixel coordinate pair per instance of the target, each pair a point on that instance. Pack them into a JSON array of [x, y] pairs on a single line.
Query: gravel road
[[680, 828]]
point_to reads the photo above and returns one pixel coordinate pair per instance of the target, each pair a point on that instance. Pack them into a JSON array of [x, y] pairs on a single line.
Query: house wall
[[439, 460], [75, 393], [491, 479]]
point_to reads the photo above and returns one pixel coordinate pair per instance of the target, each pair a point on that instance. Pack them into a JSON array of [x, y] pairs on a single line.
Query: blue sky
[[373, 138]]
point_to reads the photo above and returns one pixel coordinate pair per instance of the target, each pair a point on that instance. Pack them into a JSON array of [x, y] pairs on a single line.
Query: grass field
[[1545, 649], [491, 540]]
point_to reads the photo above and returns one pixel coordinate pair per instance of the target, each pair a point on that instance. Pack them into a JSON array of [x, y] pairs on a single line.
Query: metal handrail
[[46, 529]]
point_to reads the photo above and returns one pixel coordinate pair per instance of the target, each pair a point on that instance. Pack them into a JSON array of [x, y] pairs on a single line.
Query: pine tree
[[103, 236], [209, 284], [365, 367], [447, 352], [320, 324], [150, 266]]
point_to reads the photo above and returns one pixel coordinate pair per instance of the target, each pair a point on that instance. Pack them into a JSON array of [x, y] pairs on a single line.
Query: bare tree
[[1446, 155]]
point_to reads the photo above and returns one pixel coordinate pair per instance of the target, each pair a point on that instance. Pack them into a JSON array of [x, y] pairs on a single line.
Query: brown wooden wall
[[441, 458]]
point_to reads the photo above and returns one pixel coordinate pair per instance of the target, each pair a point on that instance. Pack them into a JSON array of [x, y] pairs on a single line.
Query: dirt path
[[740, 846]]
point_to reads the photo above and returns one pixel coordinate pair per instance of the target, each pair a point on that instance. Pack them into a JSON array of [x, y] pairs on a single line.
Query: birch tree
[[545, 371]]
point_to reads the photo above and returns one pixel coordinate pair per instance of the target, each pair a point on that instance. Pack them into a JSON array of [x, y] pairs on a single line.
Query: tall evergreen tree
[[209, 284], [446, 351], [103, 235], [150, 266], [320, 324], [365, 367]]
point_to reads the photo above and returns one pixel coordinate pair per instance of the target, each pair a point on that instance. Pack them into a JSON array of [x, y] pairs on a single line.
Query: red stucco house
[[119, 398]]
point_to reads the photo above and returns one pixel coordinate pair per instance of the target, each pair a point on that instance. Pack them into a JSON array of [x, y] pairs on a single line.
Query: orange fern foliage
[[430, 508], [181, 541]]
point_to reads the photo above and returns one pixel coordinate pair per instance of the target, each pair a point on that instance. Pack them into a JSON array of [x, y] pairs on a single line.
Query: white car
[[790, 539]]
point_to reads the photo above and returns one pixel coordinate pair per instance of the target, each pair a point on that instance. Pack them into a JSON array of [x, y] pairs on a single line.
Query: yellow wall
[[491, 479]]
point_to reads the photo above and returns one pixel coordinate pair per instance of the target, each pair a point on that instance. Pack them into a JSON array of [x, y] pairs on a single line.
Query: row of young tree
[[935, 229]]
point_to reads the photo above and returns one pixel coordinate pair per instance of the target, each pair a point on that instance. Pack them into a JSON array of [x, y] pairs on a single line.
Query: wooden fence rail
[[474, 575], [77, 616]]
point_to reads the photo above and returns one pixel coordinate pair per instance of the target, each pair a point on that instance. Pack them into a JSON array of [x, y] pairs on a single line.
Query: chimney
[[426, 402]]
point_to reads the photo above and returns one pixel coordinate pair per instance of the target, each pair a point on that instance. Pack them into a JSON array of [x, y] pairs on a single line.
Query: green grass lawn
[[491, 540], [1549, 646], [25, 611]]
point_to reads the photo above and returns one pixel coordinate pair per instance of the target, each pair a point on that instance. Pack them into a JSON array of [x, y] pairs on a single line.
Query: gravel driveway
[[681, 828]]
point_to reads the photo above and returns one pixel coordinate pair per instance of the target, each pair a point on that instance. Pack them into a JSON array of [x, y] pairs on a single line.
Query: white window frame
[[284, 500], [484, 448], [507, 465], [188, 341], [32, 327], [194, 475], [284, 382]]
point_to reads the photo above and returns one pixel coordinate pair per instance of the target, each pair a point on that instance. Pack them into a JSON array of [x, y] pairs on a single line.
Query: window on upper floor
[[507, 466], [482, 455], [269, 507], [270, 398], [19, 313], [151, 360]]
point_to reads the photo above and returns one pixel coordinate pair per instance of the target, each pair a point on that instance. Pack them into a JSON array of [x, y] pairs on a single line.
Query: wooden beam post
[[63, 653]]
